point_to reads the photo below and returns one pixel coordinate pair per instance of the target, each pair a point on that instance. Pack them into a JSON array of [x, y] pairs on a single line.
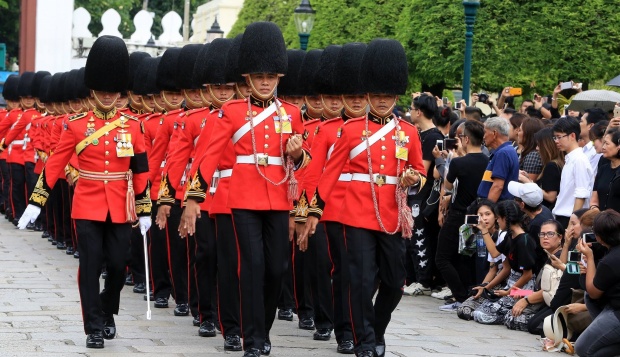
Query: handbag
[[467, 241], [432, 202]]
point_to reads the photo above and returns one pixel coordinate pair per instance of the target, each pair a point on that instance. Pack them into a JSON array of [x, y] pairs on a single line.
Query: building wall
[[226, 12], [53, 35]]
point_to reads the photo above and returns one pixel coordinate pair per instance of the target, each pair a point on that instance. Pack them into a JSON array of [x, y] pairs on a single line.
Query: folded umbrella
[[595, 98]]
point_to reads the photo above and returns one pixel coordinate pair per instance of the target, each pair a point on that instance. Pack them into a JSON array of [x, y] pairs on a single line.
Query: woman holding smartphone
[[520, 250]]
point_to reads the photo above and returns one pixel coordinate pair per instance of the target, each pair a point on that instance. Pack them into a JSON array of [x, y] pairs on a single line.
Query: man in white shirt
[[590, 117], [577, 174]]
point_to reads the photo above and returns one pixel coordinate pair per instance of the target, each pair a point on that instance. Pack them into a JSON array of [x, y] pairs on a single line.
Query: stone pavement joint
[[40, 315]]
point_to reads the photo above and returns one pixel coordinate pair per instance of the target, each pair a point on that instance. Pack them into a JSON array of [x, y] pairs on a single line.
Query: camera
[[589, 238], [472, 219], [483, 98], [458, 105], [574, 256], [449, 144]]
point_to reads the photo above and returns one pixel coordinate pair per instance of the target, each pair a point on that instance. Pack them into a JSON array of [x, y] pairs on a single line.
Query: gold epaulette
[[130, 117], [77, 116]]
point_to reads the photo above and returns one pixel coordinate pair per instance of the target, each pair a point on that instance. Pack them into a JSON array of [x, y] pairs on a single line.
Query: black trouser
[[136, 262], [262, 237], [421, 250], [287, 297], [301, 283], [340, 281], [62, 212], [99, 243], [227, 278], [456, 269], [6, 183], [536, 324], [373, 254], [158, 259], [31, 178], [18, 189], [319, 265], [205, 267], [177, 256]]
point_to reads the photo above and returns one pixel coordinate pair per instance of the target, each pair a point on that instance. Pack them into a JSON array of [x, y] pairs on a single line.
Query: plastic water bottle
[[482, 248]]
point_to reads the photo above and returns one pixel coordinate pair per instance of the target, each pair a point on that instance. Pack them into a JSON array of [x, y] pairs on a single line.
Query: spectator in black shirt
[[422, 271], [553, 162], [606, 190], [462, 180], [602, 337]]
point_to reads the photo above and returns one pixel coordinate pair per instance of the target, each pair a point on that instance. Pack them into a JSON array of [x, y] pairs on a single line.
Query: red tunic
[[152, 123], [5, 125]]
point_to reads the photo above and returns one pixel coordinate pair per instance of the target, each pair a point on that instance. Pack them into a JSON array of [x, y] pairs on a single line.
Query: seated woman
[[520, 251], [537, 304], [602, 337], [488, 223]]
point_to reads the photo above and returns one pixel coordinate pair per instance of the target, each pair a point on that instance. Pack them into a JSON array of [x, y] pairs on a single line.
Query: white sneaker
[[442, 294], [450, 307], [416, 289]]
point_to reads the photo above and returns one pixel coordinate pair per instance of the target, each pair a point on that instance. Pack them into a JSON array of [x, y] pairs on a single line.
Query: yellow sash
[[96, 135]]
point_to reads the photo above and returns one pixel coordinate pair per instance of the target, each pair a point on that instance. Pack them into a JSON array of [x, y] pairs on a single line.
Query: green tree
[[9, 26]]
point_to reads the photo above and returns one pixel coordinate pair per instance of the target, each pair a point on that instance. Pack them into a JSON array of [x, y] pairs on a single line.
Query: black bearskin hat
[[384, 67], [185, 66], [70, 88], [44, 87], [289, 84], [60, 87], [36, 83], [82, 91], [167, 70], [146, 77], [134, 63], [53, 95], [232, 61], [262, 49], [347, 74], [213, 69], [324, 75], [9, 90], [107, 65], [198, 65], [307, 71], [24, 89]]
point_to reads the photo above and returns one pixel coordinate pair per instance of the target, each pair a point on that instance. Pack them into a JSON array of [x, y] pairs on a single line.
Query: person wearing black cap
[[17, 142], [347, 81], [106, 139], [385, 160], [268, 143], [9, 92], [290, 90]]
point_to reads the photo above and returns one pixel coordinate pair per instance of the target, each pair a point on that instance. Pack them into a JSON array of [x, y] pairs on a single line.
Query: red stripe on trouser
[[170, 264], [217, 288], [344, 233], [238, 275]]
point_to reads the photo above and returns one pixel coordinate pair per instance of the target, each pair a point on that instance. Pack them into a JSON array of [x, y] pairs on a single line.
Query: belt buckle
[[380, 180], [262, 160]]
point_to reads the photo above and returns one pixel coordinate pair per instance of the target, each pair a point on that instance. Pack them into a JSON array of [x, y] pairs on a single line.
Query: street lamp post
[[214, 32], [471, 8], [304, 21]]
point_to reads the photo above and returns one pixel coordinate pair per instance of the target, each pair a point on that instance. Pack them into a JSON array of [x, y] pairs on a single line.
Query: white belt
[[345, 177], [219, 175], [17, 142], [378, 179], [263, 160]]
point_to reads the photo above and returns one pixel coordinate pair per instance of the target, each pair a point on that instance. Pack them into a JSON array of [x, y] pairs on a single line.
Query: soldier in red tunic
[[9, 92], [385, 160], [267, 140], [112, 191]]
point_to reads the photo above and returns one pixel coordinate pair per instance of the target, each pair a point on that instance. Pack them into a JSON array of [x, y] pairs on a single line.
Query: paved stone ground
[[40, 316]]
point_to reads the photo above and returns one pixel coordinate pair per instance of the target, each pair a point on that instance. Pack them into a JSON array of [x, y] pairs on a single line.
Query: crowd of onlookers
[[519, 222]]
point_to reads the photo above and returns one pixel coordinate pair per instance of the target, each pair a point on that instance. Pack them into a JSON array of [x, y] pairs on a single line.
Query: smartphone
[[472, 219], [565, 110], [449, 144], [566, 85], [577, 85], [574, 256], [515, 92], [616, 112], [445, 100], [589, 238], [521, 292], [457, 105], [440, 145]]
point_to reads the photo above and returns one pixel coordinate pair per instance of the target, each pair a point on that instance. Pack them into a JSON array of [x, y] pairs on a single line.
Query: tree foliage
[[525, 43], [9, 27]]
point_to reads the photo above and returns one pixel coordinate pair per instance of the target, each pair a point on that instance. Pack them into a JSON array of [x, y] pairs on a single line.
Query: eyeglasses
[[557, 138], [462, 136], [547, 234]]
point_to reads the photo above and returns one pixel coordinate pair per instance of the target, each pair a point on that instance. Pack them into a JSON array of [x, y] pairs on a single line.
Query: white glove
[[30, 215], [145, 224]]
